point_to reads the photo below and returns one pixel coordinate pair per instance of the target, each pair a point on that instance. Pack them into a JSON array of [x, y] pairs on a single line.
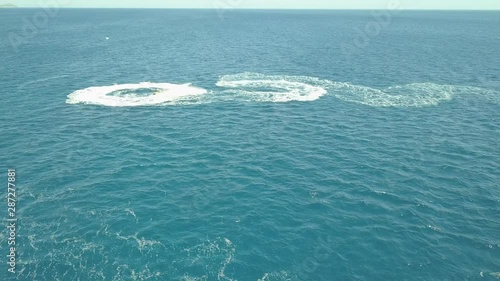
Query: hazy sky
[[267, 4]]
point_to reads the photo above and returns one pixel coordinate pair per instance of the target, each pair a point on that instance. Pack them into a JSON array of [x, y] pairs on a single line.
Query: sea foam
[[256, 87], [272, 88], [161, 94]]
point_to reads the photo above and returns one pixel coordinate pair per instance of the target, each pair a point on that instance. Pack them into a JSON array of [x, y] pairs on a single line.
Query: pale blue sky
[[269, 4]]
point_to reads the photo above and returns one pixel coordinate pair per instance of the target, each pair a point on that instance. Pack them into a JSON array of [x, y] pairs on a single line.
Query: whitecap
[[141, 94]]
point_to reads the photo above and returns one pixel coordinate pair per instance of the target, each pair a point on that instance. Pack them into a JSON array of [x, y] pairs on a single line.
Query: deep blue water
[[300, 151]]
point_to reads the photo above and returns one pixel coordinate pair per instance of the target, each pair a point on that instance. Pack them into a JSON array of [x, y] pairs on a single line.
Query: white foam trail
[[495, 274], [166, 93], [255, 87], [272, 88], [258, 87], [411, 95]]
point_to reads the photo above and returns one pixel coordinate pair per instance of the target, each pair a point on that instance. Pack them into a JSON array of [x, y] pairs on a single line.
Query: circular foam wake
[[272, 88], [142, 94]]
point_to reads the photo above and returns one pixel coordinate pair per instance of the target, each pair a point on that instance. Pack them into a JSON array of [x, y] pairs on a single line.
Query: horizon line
[[235, 9]]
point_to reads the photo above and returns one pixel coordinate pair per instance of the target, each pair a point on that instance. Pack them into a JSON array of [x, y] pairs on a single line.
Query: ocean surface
[[251, 145]]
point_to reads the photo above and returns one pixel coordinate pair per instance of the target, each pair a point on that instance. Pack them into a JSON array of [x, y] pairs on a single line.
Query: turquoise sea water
[[267, 145]]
